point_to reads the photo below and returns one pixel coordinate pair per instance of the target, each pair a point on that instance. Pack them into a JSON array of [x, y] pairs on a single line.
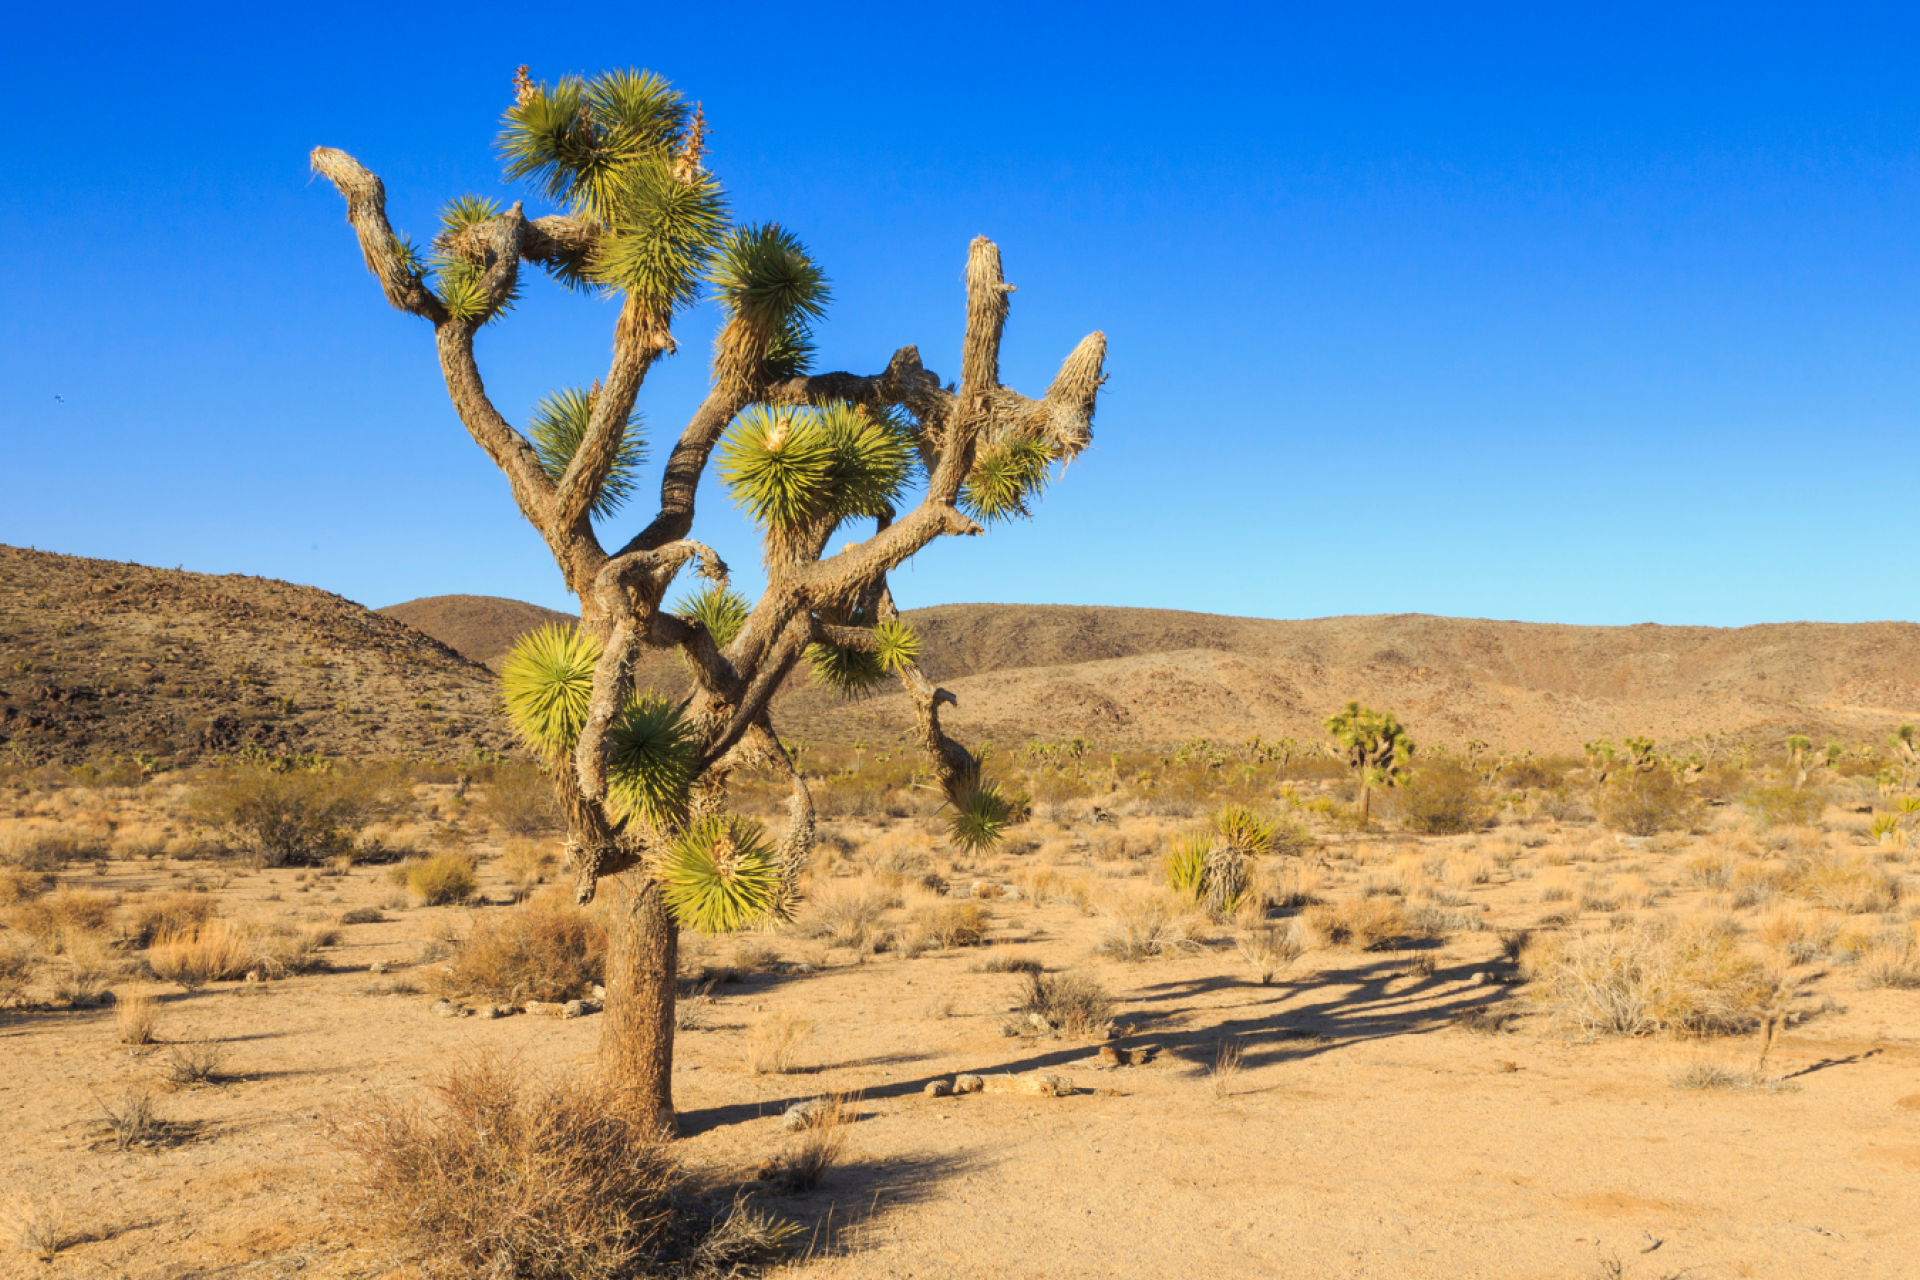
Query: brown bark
[[636, 1035]]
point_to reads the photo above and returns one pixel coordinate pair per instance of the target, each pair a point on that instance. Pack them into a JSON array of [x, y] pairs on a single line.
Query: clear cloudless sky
[[1594, 314]]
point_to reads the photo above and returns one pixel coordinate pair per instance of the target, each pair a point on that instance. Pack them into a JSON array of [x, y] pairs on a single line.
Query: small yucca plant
[[547, 680], [981, 820], [1245, 830], [720, 876]]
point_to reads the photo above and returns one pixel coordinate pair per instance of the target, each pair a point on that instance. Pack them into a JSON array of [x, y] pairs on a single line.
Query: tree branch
[[366, 198]]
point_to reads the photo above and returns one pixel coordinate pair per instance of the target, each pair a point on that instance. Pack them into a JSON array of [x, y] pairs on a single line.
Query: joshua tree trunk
[[636, 1038], [1366, 803]]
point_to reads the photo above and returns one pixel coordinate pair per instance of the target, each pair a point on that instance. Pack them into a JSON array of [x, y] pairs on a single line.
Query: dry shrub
[[1645, 804], [519, 799], [193, 1062], [848, 917], [819, 1147], [447, 877], [297, 817], [1650, 977], [40, 1228], [17, 884], [546, 949], [1463, 871], [774, 1046], [1146, 926], [83, 972], [57, 919], [133, 1119], [947, 924], [1853, 884], [1783, 806], [1364, 924], [526, 865], [16, 971], [1070, 1003], [1709, 868], [167, 913], [1713, 1076], [142, 840], [133, 1020], [1892, 961], [1269, 949], [1443, 798], [506, 1177], [49, 846]]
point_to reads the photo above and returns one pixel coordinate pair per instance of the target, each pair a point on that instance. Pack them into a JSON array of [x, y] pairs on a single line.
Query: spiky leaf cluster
[[614, 148], [896, 645], [560, 424], [1004, 478], [1245, 830], [764, 276], [1184, 866], [789, 467], [547, 681], [720, 875], [980, 821], [458, 280], [721, 610], [849, 672], [650, 753]]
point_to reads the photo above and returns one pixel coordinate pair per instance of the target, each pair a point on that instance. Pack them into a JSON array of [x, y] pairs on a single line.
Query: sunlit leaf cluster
[[560, 424], [721, 610], [1005, 477], [720, 875], [789, 467]]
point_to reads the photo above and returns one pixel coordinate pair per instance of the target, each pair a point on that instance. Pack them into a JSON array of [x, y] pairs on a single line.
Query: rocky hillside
[[1157, 675], [479, 628], [99, 657]]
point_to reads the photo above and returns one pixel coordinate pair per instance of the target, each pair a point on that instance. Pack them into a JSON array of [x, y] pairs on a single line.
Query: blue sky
[[1592, 316]]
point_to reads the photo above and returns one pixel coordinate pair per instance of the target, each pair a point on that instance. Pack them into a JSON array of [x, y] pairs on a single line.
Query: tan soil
[[1365, 1136]]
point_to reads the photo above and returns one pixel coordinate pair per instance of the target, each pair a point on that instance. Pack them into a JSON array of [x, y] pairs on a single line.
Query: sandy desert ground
[[1410, 1111]]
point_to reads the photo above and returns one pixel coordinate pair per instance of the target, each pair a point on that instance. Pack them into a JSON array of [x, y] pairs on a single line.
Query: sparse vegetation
[[1072, 1004], [773, 1048], [546, 949]]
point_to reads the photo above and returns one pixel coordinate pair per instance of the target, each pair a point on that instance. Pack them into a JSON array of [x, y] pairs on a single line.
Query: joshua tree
[[1905, 753], [1803, 760], [1375, 747], [641, 221]]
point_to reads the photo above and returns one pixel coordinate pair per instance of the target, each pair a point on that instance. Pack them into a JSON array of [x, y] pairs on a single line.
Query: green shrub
[[1644, 804], [518, 798], [300, 817]]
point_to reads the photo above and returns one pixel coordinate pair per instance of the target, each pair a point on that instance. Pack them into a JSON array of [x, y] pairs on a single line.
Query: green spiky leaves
[[774, 292], [720, 876], [721, 610], [896, 646], [560, 424], [1005, 477], [620, 149], [980, 822], [650, 754], [851, 673], [548, 682], [789, 467], [459, 279], [1184, 867], [1241, 828]]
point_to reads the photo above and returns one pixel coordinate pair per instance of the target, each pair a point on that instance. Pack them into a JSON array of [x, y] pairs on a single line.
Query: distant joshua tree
[[1375, 747], [642, 783]]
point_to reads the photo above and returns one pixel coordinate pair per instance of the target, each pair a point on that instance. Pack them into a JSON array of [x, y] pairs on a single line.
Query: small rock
[[256, 975], [804, 1115], [448, 1009], [968, 1084], [796, 970], [1479, 979], [1039, 1024], [938, 1088], [543, 1008], [378, 966], [494, 1011], [574, 1009], [1038, 1083], [599, 992]]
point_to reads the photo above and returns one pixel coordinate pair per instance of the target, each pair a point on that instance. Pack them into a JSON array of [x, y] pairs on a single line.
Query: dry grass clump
[[940, 925], [502, 1176], [193, 1062], [132, 1119], [40, 1228], [1653, 976], [774, 1046], [1891, 959], [443, 878], [82, 973], [133, 1020], [1067, 1003], [519, 799], [526, 865], [546, 949], [297, 817], [140, 840], [224, 951], [48, 846], [1364, 924], [849, 917], [1145, 926], [1709, 1076], [167, 913]]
